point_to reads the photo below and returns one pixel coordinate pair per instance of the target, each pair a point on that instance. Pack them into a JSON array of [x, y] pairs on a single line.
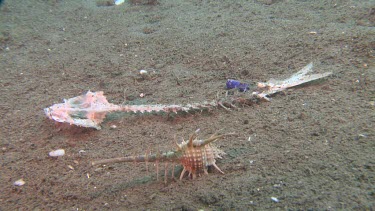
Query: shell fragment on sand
[[274, 199], [19, 182], [57, 153], [119, 2]]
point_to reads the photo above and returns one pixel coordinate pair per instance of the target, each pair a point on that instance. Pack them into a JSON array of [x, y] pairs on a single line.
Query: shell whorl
[[197, 155]]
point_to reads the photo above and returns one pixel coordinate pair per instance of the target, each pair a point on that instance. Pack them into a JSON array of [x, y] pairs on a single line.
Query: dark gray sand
[[310, 147]]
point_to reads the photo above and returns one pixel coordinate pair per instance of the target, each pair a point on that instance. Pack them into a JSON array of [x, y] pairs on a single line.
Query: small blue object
[[231, 84]]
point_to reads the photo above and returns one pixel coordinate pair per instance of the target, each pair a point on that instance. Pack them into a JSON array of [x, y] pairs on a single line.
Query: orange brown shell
[[197, 155]]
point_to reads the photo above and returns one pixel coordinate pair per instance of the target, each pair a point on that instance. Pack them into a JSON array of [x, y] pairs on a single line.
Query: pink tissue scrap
[[87, 110]]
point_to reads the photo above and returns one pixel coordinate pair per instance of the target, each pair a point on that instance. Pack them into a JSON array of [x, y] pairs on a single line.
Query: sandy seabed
[[311, 147]]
